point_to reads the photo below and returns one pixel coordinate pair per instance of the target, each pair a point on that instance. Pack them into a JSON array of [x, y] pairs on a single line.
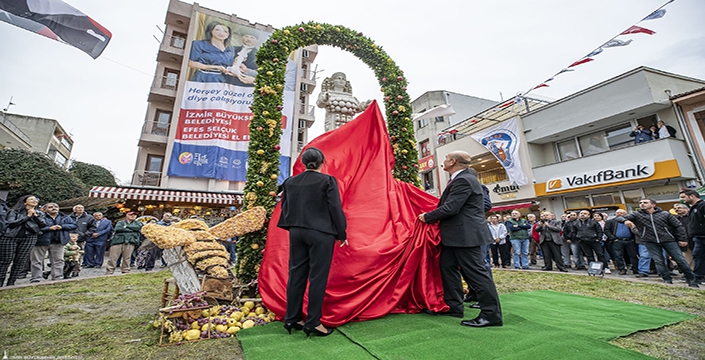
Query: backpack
[[671, 130], [487, 202]]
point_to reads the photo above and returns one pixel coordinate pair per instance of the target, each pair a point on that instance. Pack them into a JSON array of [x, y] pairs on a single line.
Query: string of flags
[[611, 43]]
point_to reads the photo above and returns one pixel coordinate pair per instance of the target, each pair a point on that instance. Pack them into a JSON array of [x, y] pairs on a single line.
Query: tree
[[92, 175], [23, 172]]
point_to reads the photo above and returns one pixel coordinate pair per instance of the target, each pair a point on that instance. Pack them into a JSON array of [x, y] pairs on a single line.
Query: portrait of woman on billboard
[[212, 56]]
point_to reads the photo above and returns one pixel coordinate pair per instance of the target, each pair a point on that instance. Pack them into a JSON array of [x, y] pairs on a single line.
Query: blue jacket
[[641, 136], [104, 230], [67, 225]]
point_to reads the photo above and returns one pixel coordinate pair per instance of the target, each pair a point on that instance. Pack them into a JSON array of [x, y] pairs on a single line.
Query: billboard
[[212, 132]]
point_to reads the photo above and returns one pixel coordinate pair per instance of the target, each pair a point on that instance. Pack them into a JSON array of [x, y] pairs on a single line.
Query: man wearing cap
[[127, 236]]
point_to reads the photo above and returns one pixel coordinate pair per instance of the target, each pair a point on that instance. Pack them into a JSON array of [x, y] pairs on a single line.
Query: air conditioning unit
[[304, 87], [304, 53]]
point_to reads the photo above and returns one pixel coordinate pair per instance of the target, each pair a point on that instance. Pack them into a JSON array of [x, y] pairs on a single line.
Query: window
[[428, 181], [154, 163], [171, 78], [577, 202], [178, 40], [440, 119], [66, 142], [606, 199], [567, 150], [593, 144], [423, 123], [631, 199], [59, 159], [425, 149], [161, 123]]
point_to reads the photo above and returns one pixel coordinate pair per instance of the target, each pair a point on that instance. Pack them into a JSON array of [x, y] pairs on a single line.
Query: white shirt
[[663, 132], [498, 231]]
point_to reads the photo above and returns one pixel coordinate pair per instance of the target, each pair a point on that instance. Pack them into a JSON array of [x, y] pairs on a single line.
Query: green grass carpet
[[537, 325]]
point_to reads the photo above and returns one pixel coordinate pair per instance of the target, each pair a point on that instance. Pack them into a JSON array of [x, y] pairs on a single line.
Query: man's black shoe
[[480, 322], [640, 275], [474, 306], [563, 270], [447, 313], [668, 281], [622, 272], [470, 298], [581, 268], [46, 274], [693, 284]]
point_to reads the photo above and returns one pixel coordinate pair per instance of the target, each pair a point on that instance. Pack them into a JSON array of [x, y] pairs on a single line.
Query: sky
[[488, 49]]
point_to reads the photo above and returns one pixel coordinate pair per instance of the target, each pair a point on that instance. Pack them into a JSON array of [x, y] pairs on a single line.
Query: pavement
[[98, 272]]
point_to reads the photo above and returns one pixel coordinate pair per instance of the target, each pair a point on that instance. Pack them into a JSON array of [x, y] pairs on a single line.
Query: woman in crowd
[[312, 212], [23, 224], [601, 218]]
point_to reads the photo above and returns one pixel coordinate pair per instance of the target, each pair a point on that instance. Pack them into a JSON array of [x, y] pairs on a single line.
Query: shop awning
[[511, 207], [164, 195]]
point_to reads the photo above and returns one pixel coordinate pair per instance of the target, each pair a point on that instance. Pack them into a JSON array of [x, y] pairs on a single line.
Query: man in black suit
[[464, 235]]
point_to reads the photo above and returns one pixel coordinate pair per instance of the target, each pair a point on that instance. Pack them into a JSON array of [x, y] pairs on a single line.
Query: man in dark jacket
[[85, 227], [696, 229], [622, 242], [96, 243], [569, 245], [52, 239], [588, 233], [549, 231], [659, 230], [464, 237], [127, 236]]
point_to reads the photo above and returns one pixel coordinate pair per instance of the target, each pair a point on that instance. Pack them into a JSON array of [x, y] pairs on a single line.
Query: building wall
[[45, 135], [181, 19]]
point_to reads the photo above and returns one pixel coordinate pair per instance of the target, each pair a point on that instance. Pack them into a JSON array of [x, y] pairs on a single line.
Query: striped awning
[[511, 207], [164, 195]]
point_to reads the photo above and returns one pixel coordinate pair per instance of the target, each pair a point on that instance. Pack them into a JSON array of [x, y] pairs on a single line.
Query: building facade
[[36, 134], [428, 131], [166, 100], [690, 111]]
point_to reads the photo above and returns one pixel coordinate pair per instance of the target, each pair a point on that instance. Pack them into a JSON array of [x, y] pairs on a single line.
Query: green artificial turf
[[537, 325]]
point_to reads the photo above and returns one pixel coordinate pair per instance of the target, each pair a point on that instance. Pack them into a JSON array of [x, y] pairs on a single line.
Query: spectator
[[681, 211], [127, 236], [500, 247], [640, 135], [654, 132], [96, 243], [23, 225], [518, 229], [549, 231], [606, 246], [54, 235], [72, 254], [85, 227], [588, 233], [665, 131], [622, 241], [696, 229], [533, 239], [661, 231], [571, 246]]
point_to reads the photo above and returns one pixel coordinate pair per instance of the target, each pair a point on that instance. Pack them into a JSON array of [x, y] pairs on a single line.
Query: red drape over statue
[[391, 263]]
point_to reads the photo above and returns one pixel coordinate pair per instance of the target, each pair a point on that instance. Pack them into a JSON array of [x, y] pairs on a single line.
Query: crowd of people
[[658, 131], [650, 241]]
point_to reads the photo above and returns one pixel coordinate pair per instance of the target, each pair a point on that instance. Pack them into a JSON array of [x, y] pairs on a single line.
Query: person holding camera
[[550, 240], [641, 135]]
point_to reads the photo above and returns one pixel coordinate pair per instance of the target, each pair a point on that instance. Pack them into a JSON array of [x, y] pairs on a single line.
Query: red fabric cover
[[392, 262]]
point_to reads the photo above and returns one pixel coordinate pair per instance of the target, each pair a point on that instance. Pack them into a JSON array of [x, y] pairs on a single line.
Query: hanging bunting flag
[[540, 86], [615, 43], [655, 15], [565, 70], [59, 21], [636, 30], [503, 141], [579, 62], [594, 52]]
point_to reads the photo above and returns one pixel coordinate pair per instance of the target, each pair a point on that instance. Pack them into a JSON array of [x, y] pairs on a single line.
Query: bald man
[[464, 235]]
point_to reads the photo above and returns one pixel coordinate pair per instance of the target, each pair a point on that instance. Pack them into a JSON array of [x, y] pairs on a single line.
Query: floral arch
[[265, 127]]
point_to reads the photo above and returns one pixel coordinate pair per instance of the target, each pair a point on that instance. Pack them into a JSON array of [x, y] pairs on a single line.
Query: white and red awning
[[164, 195], [511, 207]]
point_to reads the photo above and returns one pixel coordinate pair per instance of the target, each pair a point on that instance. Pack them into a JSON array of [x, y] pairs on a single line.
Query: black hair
[[21, 202], [689, 192], [208, 32], [312, 158]]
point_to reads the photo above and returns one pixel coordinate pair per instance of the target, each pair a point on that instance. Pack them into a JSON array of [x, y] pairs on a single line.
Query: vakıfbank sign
[[640, 170]]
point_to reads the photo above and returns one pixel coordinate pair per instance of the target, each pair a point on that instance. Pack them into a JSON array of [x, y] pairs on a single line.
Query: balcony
[[171, 49], [658, 150], [154, 133], [11, 136], [163, 89], [146, 178], [306, 112]]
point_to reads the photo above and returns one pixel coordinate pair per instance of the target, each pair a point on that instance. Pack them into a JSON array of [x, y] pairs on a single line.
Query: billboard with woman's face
[[212, 132]]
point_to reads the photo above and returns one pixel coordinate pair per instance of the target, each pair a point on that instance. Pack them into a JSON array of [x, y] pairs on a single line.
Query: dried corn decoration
[[167, 237], [241, 224]]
